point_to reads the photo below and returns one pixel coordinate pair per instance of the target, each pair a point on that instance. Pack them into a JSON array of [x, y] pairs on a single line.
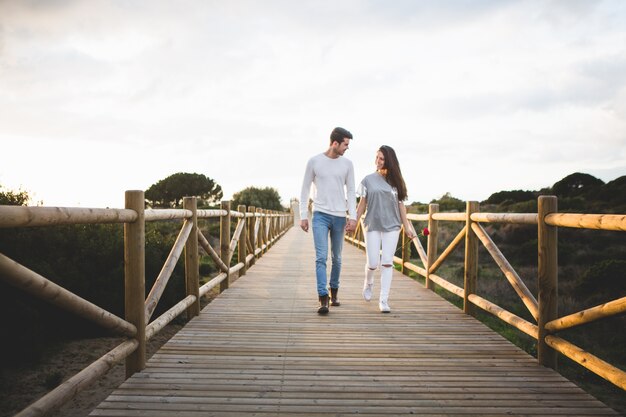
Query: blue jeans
[[323, 226]]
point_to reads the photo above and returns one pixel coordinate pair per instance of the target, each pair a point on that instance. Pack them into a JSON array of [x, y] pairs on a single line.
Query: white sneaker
[[367, 291], [384, 307]]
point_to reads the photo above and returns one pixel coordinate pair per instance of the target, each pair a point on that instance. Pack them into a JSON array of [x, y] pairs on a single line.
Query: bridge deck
[[261, 349]]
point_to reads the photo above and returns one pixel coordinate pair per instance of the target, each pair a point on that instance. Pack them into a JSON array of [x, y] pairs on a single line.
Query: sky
[[99, 97]]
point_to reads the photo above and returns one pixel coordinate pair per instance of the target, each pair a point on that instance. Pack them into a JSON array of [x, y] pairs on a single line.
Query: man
[[333, 176]]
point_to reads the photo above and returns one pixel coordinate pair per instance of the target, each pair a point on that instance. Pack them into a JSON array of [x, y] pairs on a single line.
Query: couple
[[382, 194]]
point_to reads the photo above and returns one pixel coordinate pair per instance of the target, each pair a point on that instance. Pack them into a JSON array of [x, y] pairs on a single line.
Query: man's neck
[[331, 153]]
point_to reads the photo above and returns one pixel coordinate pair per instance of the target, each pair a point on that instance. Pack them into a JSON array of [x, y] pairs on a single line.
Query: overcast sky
[[99, 97]]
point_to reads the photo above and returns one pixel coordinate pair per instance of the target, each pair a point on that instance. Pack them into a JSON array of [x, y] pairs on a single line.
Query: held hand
[[351, 226], [304, 224]]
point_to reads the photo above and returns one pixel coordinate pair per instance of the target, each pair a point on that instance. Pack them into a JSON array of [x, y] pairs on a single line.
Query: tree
[[515, 196], [267, 198], [449, 203], [169, 192], [13, 198], [577, 184]]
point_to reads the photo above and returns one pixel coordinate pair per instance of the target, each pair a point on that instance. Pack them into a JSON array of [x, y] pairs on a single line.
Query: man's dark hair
[[339, 134]]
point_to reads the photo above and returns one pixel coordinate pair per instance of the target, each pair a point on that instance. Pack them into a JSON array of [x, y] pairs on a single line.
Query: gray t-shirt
[[383, 214]]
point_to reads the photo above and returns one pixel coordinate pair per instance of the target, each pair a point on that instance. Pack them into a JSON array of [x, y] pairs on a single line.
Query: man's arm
[[351, 199], [304, 195]]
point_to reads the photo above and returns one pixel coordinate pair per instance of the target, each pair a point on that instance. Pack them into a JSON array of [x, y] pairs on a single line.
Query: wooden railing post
[[225, 242], [471, 258], [270, 227], [267, 224], [547, 284], [135, 279], [192, 263], [242, 247], [251, 235], [261, 234], [433, 228]]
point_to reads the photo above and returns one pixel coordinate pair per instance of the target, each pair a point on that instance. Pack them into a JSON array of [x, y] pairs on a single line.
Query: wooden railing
[[256, 231], [542, 308]]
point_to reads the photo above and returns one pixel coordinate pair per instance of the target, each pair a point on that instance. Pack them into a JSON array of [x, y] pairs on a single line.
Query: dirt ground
[[22, 385]]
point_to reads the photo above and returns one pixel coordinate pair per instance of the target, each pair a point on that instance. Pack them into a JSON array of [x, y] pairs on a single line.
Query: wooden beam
[[31, 282], [547, 279], [22, 216], [135, 279], [516, 282], [168, 268]]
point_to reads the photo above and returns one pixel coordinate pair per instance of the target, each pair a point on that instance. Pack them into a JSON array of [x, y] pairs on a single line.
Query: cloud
[[244, 92]]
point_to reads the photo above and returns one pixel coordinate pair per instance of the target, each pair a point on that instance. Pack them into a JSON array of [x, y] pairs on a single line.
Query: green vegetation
[[592, 264], [88, 260], [169, 192], [267, 198]]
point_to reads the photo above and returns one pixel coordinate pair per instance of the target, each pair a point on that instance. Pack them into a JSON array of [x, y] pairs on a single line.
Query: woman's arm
[[360, 209], [408, 227]]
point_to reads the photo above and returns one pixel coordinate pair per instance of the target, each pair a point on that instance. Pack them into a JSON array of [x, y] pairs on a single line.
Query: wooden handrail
[[138, 311], [22, 216], [166, 214], [615, 222], [514, 218], [542, 309]]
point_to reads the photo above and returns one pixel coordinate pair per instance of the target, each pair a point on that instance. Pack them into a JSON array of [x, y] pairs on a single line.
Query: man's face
[[340, 148]]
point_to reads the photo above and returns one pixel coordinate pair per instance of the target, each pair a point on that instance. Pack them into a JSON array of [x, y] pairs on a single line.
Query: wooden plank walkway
[[260, 349]]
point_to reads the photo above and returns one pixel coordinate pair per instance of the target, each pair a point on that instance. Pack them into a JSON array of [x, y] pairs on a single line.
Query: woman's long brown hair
[[394, 175]]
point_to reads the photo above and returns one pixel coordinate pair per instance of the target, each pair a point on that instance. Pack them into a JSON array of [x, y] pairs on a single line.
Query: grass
[[602, 342]]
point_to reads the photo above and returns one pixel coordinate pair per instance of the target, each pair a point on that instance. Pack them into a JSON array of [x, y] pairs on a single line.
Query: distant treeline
[[577, 192]]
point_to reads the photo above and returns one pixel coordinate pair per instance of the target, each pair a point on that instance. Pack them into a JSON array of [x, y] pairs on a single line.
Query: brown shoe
[[333, 297], [323, 304]]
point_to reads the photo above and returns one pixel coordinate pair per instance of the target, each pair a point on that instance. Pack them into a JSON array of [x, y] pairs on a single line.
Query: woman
[[382, 194]]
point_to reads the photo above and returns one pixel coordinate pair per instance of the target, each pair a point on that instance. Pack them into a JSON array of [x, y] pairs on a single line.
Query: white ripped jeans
[[380, 248]]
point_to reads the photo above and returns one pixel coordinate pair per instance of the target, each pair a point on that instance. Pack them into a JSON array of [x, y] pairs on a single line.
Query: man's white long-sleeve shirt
[[334, 186]]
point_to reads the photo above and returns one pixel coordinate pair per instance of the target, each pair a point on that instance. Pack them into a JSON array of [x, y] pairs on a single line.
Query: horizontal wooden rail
[[589, 315], [412, 267], [215, 281], [31, 282], [22, 216], [506, 316], [589, 361], [615, 222], [452, 217], [166, 214], [417, 217], [208, 213], [515, 218], [67, 390], [447, 285]]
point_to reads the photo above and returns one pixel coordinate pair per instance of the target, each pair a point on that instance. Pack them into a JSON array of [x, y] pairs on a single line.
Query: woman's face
[[380, 160]]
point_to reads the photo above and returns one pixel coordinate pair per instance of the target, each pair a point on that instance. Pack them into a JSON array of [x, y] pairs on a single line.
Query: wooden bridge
[[260, 349]]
